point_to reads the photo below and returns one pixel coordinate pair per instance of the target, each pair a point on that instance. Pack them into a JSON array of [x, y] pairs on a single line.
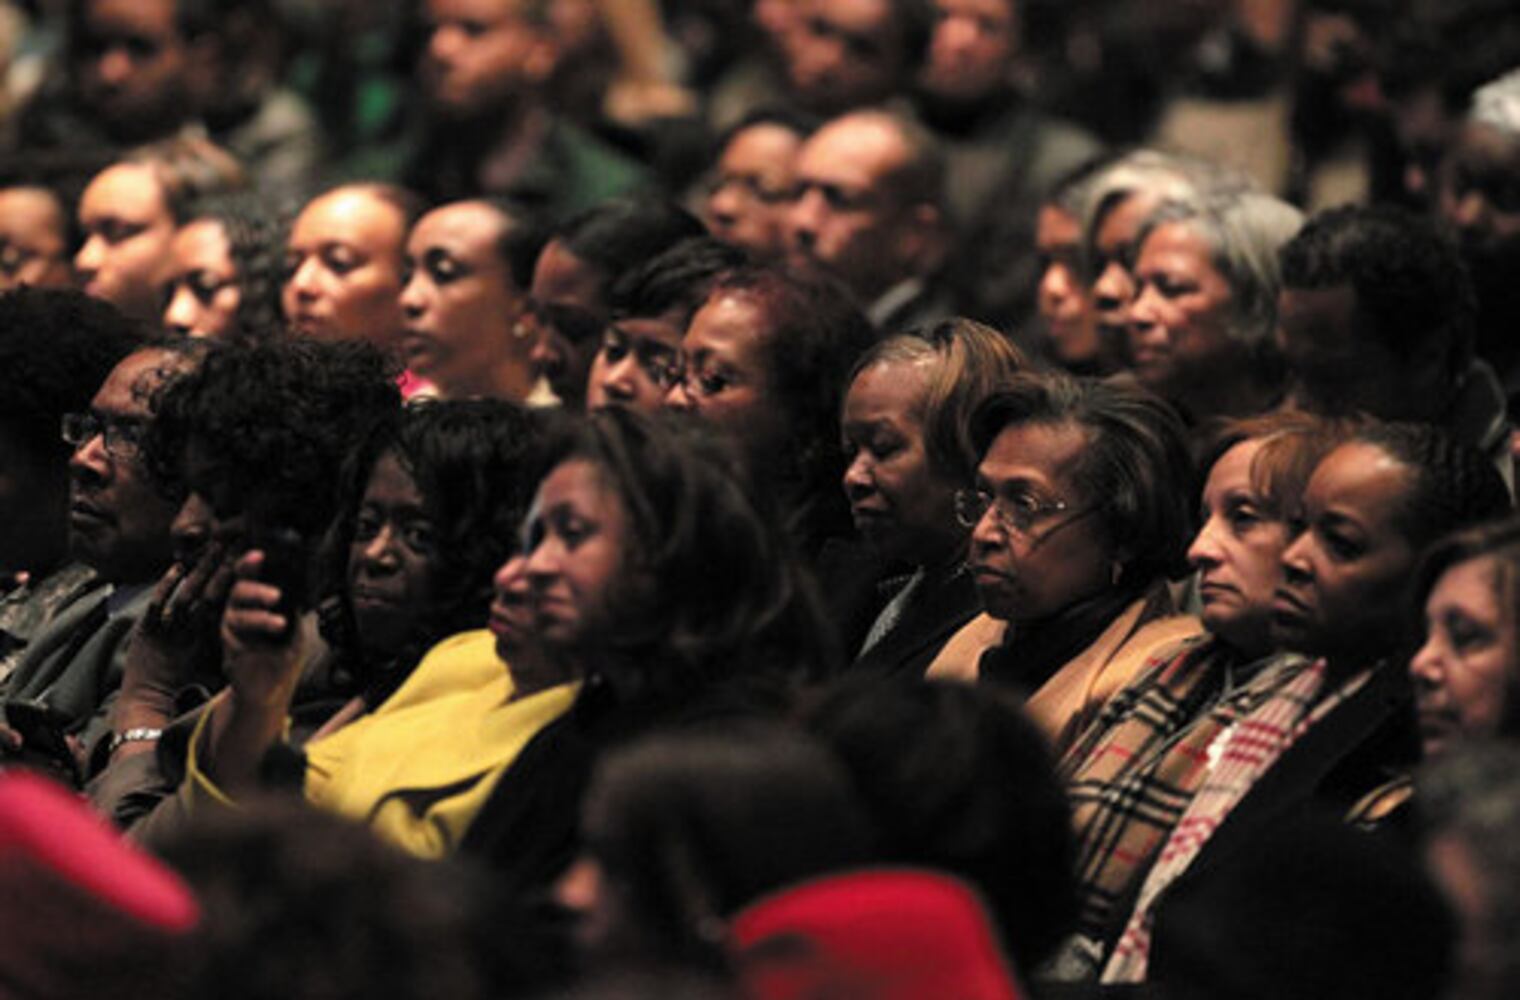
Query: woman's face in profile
[[897, 500], [1179, 322], [1344, 576], [1465, 673], [726, 377], [202, 294], [343, 269]]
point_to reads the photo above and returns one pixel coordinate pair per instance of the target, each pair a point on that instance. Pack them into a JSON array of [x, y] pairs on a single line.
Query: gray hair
[[1497, 105], [1244, 232]]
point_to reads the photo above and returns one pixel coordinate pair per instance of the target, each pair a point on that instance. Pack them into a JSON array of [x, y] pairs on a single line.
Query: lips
[[371, 597], [88, 513]]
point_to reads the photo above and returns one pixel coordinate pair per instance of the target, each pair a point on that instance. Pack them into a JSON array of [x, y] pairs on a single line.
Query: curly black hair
[[256, 235], [56, 348], [1409, 279], [476, 464], [1455, 485], [267, 425]]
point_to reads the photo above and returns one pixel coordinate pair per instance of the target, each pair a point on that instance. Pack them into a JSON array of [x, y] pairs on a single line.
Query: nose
[[953, 36], [620, 380], [90, 462], [510, 581], [114, 67], [1427, 667], [1471, 211], [988, 535], [548, 355], [1056, 286], [304, 283], [1204, 552], [803, 217], [378, 554], [1114, 288], [1297, 567], [858, 482], [414, 297], [723, 206], [444, 43], [182, 312], [580, 888], [678, 399], [89, 258]]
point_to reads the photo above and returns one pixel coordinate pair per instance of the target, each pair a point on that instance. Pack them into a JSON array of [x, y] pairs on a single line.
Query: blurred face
[[1114, 249], [128, 229], [970, 49], [461, 306], [201, 296], [391, 559], [565, 318], [844, 54], [1179, 322], [33, 240], [1066, 312], [753, 189], [845, 219], [480, 55], [1238, 554], [1480, 190], [343, 269], [1344, 575], [632, 367], [1465, 673], [574, 542], [118, 519], [1062, 558], [898, 502], [132, 65], [1335, 366], [726, 378]]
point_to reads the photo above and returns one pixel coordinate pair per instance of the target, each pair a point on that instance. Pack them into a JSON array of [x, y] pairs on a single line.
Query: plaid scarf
[[1235, 762], [1133, 774]]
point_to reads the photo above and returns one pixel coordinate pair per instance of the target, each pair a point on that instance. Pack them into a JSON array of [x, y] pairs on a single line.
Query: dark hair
[[624, 232], [1455, 485], [718, 593], [56, 348], [959, 780], [1411, 285], [271, 421], [690, 826], [1136, 465], [257, 236], [1499, 541], [969, 362], [186, 168], [812, 336], [677, 279], [522, 237], [475, 463]]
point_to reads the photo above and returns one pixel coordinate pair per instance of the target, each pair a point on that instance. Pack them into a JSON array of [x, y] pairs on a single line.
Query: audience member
[[868, 210], [1080, 516], [1067, 328], [906, 424], [840, 55], [753, 180], [470, 264], [226, 269], [34, 238]]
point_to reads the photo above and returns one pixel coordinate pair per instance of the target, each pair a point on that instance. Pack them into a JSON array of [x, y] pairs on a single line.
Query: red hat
[[81, 909], [872, 935]]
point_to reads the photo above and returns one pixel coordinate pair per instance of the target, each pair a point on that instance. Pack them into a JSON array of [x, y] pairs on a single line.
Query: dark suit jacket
[[945, 601]]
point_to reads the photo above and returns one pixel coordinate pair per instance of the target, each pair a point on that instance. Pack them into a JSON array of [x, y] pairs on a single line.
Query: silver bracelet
[[143, 734]]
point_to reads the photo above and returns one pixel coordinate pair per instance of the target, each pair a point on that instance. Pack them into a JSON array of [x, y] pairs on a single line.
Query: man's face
[[481, 54], [1479, 193], [1335, 366], [970, 49], [131, 66], [846, 218], [845, 54], [752, 188], [118, 520]]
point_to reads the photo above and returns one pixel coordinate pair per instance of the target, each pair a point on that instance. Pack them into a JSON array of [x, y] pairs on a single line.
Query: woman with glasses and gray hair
[[1201, 323], [1081, 515]]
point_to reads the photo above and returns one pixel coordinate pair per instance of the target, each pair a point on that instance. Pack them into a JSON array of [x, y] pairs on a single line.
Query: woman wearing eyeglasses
[[1080, 517]]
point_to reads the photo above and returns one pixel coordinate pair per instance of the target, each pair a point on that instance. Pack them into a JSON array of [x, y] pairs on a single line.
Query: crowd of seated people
[[793, 499]]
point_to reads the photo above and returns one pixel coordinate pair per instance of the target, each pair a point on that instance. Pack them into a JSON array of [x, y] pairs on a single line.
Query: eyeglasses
[[751, 187], [699, 381], [654, 358], [1015, 515], [122, 435]]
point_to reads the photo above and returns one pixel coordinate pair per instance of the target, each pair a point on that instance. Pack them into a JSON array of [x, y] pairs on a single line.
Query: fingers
[[10, 740]]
